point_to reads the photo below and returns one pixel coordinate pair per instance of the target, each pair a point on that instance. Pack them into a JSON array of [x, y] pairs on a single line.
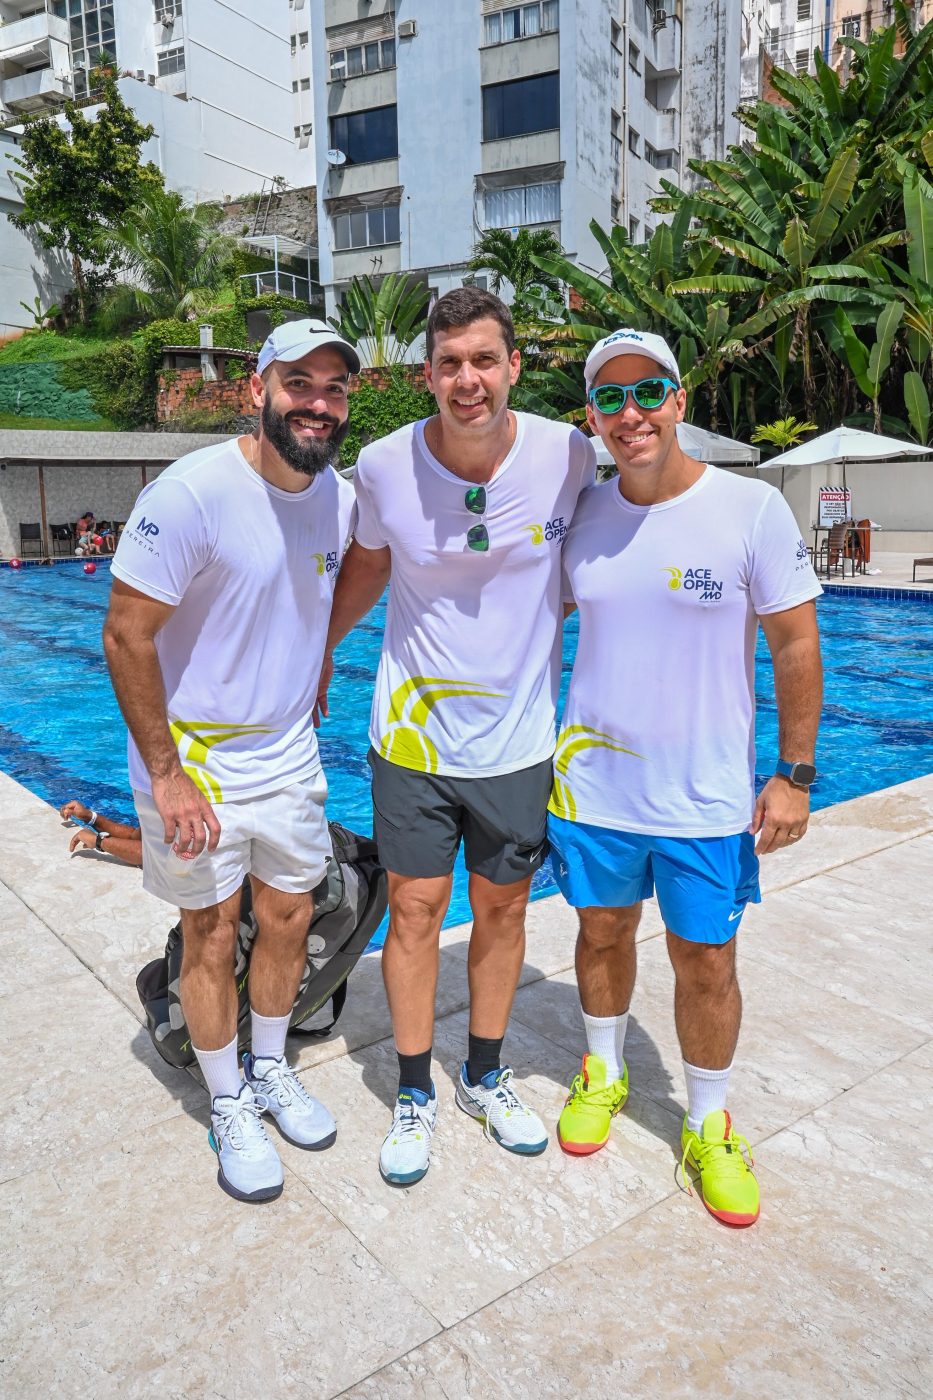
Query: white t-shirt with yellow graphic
[[250, 571], [658, 734], [470, 668]]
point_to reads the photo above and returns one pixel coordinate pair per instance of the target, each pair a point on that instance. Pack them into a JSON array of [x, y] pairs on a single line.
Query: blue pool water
[[61, 733]]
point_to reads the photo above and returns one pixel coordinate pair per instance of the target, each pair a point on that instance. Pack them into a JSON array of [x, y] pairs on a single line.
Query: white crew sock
[[268, 1035], [221, 1070], [706, 1092], [605, 1037]]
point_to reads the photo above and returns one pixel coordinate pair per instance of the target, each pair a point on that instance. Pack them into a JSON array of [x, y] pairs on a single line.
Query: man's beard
[[307, 455]]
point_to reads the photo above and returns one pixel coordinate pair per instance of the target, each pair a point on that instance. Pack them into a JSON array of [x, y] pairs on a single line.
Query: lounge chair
[[832, 554], [927, 563], [63, 539], [30, 540]]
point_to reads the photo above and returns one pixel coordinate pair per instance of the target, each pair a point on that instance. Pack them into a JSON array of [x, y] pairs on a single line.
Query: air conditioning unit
[[151, 79], [140, 75], [659, 20], [407, 29]]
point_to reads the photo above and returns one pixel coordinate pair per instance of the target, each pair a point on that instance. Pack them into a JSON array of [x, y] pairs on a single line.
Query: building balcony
[[26, 41], [31, 92], [366, 262], [358, 179], [661, 129], [515, 152], [665, 52]]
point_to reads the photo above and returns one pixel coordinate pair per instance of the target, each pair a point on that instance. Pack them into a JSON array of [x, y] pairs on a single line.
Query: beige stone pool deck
[[127, 1272]]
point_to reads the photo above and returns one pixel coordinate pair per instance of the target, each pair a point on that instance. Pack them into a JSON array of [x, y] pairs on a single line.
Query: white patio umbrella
[[705, 446], [843, 445]]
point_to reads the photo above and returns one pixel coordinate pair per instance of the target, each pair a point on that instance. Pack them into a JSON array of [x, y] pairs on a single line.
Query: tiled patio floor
[[128, 1273]]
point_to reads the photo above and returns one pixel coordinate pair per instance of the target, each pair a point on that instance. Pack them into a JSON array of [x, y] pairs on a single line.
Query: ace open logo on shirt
[[553, 530], [326, 563], [700, 582]]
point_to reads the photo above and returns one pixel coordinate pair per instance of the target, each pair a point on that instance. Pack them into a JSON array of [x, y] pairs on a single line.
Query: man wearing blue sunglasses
[[672, 567]]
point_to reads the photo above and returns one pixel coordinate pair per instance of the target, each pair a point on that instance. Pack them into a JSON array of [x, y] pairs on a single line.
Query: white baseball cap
[[629, 342], [295, 339]]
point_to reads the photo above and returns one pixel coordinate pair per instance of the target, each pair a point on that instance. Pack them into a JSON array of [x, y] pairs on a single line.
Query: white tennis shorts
[[280, 837]]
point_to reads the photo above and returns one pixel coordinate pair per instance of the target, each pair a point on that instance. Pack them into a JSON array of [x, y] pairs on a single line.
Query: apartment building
[[786, 33], [858, 20], [434, 122], [225, 83], [214, 77]]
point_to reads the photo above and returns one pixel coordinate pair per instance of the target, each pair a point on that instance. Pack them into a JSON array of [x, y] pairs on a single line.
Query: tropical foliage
[[799, 274], [513, 259], [383, 320], [174, 255], [79, 180]]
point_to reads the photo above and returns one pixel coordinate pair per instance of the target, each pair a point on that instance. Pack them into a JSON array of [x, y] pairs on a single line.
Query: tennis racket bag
[[348, 906]]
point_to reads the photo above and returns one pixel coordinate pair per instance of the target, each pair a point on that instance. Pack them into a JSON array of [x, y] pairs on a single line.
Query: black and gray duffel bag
[[348, 906]]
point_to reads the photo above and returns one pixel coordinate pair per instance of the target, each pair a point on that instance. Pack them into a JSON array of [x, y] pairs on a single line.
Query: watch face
[[803, 774]]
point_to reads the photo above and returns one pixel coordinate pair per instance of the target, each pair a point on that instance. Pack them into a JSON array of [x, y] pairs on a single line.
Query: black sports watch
[[800, 774]]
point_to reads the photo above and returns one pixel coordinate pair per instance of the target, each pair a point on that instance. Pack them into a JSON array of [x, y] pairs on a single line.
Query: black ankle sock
[[482, 1056], [414, 1071]]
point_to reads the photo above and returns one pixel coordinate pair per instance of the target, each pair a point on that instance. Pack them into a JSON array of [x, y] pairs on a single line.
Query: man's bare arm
[[783, 810], [132, 623], [363, 576]]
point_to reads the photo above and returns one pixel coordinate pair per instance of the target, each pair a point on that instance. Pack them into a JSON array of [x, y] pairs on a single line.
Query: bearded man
[[222, 589]]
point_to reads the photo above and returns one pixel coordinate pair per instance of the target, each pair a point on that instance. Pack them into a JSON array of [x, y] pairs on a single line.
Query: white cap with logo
[[295, 339], [629, 342]]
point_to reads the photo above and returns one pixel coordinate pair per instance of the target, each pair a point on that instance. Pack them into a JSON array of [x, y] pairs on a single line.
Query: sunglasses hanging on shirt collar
[[477, 535]]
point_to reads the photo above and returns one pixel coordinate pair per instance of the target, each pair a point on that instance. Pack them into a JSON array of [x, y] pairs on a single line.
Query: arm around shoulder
[[361, 582]]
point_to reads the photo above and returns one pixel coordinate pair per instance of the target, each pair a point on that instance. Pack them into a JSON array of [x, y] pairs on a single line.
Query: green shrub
[[49, 345], [203, 420], [119, 382], [374, 413]]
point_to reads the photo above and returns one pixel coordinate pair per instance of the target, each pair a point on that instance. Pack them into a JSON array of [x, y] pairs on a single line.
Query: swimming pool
[[61, 733]]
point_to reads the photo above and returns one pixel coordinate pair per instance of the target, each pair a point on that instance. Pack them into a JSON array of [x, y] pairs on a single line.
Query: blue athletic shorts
[[703, 883]]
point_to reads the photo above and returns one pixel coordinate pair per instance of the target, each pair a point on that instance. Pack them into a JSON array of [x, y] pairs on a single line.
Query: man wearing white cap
[[672, 567], [223, 582]]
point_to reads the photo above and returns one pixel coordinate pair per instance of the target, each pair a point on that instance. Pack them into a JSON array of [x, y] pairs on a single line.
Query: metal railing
[[285, 284]]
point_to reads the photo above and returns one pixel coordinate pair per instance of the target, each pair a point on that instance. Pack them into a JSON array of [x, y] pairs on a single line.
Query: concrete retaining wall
[[34, 390]]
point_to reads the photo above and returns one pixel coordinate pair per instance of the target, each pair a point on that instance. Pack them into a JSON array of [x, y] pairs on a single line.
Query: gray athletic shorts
[[419, 820]]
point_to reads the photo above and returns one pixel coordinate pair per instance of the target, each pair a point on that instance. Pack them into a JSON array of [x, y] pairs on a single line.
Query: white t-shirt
[[658, 735], [470, 669], [250, 571]]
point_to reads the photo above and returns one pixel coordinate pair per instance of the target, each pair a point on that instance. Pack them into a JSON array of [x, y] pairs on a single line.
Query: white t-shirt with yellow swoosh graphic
[[250, 571], [658, 734], [470, 669]]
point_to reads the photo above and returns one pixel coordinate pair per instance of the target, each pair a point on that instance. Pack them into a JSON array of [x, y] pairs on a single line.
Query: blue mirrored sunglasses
[[647, 393]]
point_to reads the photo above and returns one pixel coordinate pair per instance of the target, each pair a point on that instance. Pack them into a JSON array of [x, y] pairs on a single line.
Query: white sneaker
[[248, 1166], [301, 1120], [507, 1121], [406, 1152]]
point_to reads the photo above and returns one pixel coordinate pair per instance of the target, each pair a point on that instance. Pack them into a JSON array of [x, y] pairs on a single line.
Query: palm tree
[[175, 257], [513, 259], [383, 321], [783, 432]]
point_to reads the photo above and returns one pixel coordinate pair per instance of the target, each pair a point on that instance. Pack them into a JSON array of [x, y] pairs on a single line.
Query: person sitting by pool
[[88, 542], [103, 834]]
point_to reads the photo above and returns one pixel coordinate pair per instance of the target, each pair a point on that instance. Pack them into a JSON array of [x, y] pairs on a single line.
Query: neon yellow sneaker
[[726, 1181], [583, 1126]]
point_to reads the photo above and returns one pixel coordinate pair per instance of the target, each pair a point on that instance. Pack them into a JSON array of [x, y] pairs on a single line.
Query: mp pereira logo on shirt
[[552, 530], [700, 582], [326, 563], [143, 533]]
